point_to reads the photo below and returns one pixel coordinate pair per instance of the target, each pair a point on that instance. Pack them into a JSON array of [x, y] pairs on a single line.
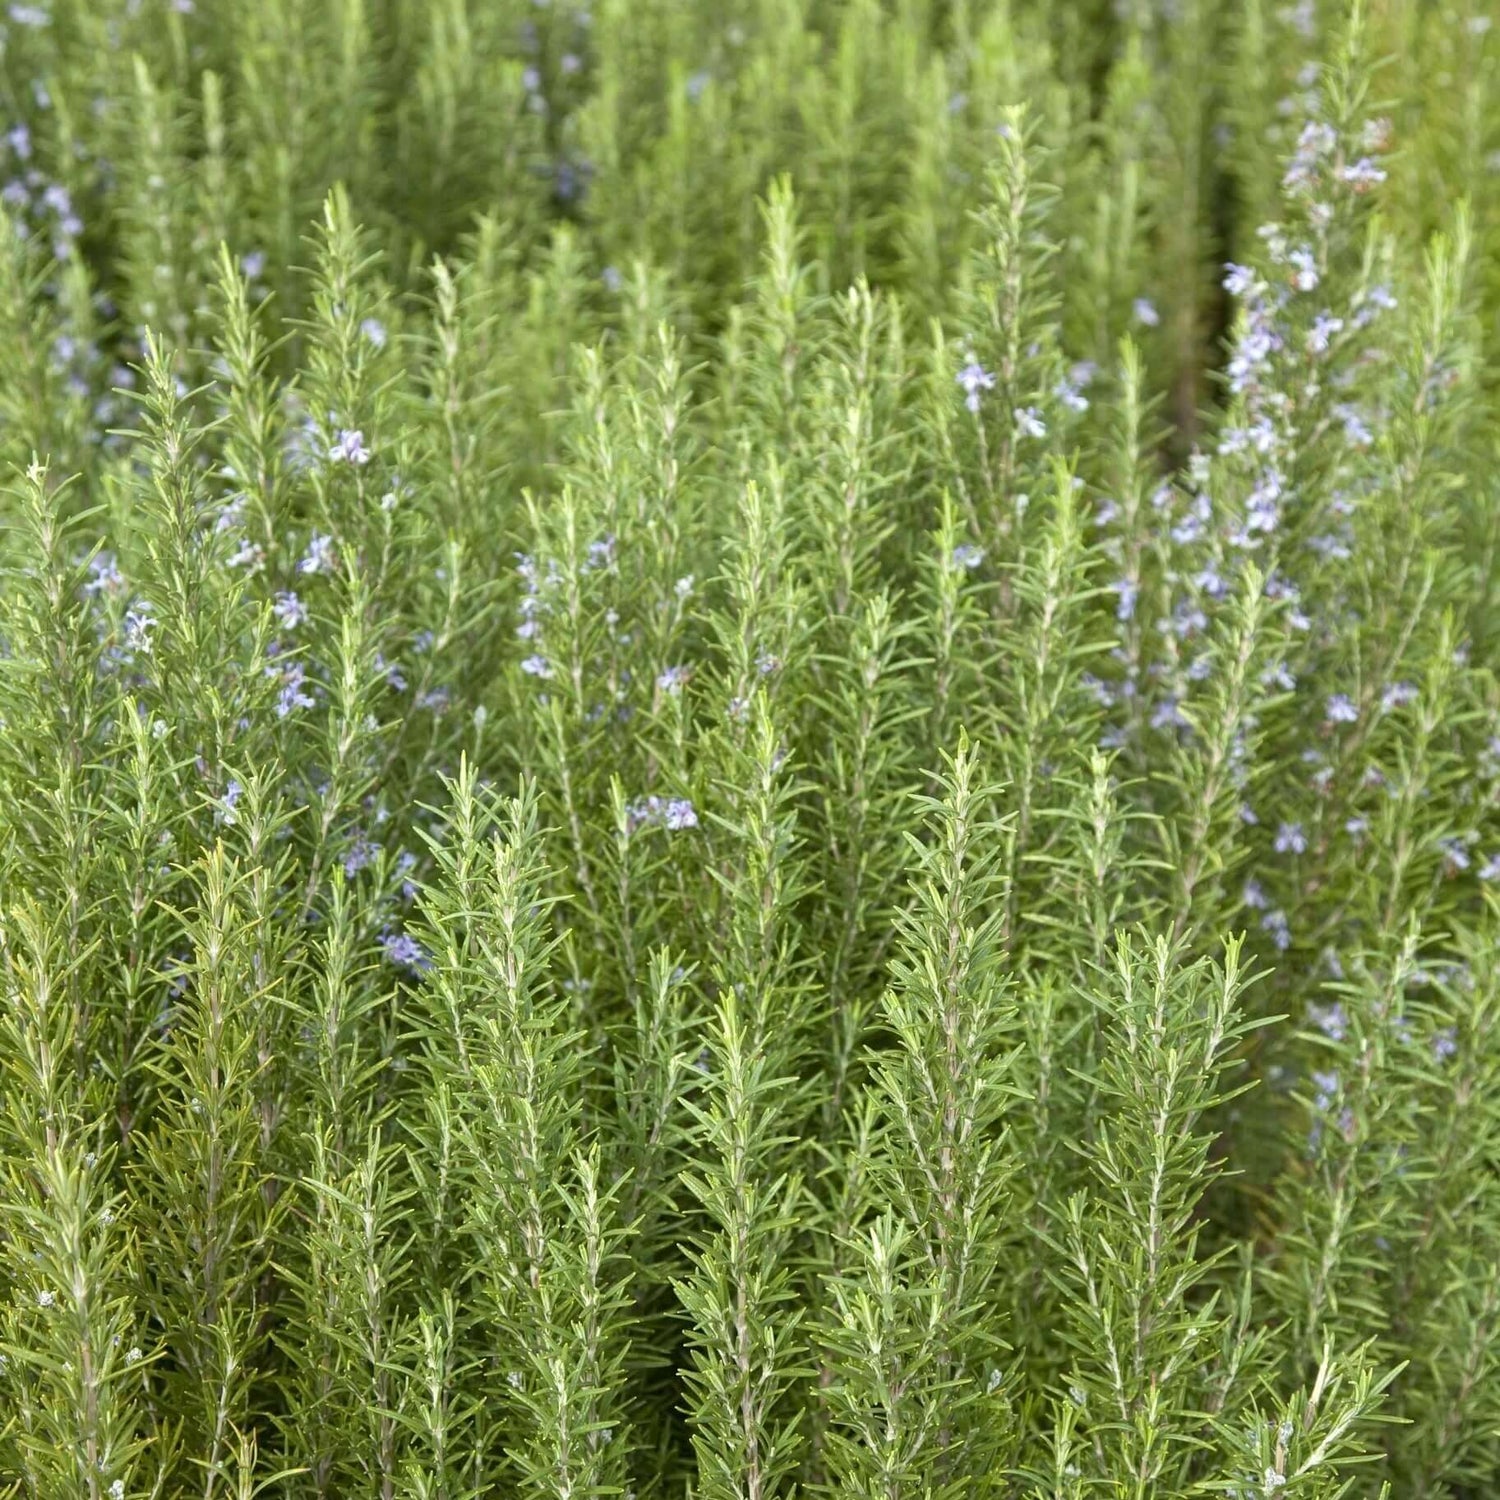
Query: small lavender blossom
[[1326, 1085], [674, 813], [967, 556], [104, 575], [253, 264], [1356, 429], [228, 804], [1455, 855], [680, 814], [1254, 895], [1445, 1044], [1341, 709], [289, 610], [1083, 373], [537, 666], [975, 379], [1238, 280], [350, 448], [30, 15], [1490, 869], [362, 854], [1276, 926], [1144, 310], [672, 679], [319, 555], [138, 627], [1304, 270], [1070, 396], [1325, 328], [1331, 1020], [405, 952], [1029, 422], [1126, 592], [1398, 695], [1290, 839], [374, 333], [1168, 714], [294, 694], [1362, 175]]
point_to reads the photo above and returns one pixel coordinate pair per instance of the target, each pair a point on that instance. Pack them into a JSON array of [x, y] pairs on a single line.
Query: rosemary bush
[[749, 749]]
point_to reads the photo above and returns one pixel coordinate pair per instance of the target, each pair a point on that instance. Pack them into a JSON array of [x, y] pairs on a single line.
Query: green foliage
[[749, 750]]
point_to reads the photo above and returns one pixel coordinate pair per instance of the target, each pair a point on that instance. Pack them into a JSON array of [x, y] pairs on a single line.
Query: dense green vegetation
[[749, 748]]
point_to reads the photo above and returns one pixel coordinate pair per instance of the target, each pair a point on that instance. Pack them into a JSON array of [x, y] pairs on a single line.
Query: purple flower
[[967, 555], [1327, 1086], [1445, 1044], [319, 555], [1145, 312], [1290, 839], [1490, 869], [104, 575], [293, 691], [1239, 281], [672, 680], [537, 666], [653, 812], [1341, 709], [1276, 925], [1069, 395], [1362, 175], [138, 627], [1397, 695], [1029, 422], [362, 854], [1356, 429], [1331, 1020], [1323, 332], [1305, 270], [253, 264], [350, 448], [374, 333], [289, 610], [1254, 896], [974, 379], [680, 814], [1455, 855], [405, 952], [228, 803]]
